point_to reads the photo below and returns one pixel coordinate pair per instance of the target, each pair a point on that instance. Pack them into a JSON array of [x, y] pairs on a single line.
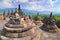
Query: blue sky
[[37, 5]]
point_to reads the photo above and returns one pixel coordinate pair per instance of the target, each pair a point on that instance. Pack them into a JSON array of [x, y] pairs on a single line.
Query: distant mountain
[[6, 10], [24, 11], [28, 11]]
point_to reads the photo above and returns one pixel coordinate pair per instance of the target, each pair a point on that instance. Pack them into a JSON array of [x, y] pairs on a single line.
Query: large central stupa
[[19, 29], [20, 11]]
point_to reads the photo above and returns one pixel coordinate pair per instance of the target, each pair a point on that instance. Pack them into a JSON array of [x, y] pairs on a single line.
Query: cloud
[[22, 1], [5, 4], [10, 3], [55, 5], [41, 5], [38, 5], [55, 1], [57, 9], [38, 8], [35, 7]]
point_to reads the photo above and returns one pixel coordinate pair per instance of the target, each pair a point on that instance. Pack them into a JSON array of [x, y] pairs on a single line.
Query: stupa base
[[24, 38], [50, 28], [37, 37], [38, 23]]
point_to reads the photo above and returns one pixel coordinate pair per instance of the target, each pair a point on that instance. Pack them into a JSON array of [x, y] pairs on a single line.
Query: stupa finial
[[4, 12], [51, 14], [19, 7], [37, 14]]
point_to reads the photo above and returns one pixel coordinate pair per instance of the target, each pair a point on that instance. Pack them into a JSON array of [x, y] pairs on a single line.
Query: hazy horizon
[[32, 6]]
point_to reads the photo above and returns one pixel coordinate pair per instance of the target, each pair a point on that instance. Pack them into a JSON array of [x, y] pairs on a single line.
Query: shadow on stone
[[0, 32], [48, 28]]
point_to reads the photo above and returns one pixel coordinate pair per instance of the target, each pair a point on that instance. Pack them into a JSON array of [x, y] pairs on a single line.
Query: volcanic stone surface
[[50, 24], [43, 35], [21, 30]]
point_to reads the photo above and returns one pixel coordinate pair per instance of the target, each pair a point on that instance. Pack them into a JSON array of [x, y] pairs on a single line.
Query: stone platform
[[18, 32], [42, 35]]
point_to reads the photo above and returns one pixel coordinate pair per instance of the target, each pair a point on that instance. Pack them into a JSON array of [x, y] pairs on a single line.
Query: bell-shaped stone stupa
[[50, 24]]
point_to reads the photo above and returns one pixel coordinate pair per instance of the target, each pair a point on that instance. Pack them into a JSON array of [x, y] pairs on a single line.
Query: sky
[[37, 5]]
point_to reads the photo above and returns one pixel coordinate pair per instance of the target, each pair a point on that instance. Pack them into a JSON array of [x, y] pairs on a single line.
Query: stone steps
[[17, 30], [24, 38], [14, 26], [18, 35]]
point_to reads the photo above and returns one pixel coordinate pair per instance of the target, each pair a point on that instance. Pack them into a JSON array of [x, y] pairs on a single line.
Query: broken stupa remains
[[50, 24], [19, 29]]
